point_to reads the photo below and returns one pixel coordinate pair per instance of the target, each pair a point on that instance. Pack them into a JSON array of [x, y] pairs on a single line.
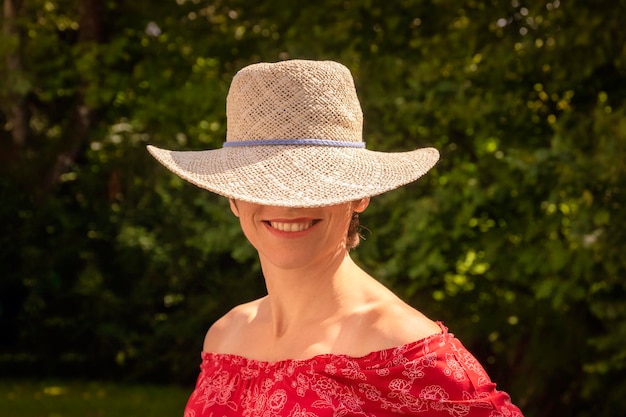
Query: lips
[[292, 226]]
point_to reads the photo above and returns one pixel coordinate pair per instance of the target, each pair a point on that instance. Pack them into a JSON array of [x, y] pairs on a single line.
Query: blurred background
[[112, 269]]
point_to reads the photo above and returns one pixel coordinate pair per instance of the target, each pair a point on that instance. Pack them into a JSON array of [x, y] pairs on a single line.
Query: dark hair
[[354, 228]]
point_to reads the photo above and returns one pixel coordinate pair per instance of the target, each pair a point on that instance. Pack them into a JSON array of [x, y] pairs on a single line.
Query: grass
[[89, 399]]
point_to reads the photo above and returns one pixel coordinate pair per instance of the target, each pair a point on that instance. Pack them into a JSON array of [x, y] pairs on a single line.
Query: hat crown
[[292, 100]]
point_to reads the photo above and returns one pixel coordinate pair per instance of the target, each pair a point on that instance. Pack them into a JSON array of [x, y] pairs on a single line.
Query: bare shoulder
[[393, 323], [222, 334], [408, 323]]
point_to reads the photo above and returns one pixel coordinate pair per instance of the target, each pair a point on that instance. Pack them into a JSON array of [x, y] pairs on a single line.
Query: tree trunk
[[17, 114], [90, 33]]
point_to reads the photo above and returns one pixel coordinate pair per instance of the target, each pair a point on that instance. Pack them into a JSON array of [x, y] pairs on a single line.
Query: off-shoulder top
[[435, 376]]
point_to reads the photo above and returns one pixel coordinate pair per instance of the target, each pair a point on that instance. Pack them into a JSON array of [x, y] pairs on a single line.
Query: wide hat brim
[[297, 175]]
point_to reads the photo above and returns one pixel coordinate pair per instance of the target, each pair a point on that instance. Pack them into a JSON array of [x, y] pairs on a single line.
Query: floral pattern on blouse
[[435, 376]]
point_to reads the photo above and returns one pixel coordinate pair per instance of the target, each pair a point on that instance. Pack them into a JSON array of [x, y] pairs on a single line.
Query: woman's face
[[296, 237]]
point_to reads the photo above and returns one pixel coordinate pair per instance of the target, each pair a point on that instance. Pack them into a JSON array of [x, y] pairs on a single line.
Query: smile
[[292, 226]]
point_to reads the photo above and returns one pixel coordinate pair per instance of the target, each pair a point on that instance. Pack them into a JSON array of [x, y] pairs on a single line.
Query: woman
[[328, 339]]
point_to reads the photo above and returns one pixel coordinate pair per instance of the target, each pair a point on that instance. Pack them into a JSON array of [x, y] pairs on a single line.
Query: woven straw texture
[[295, 100]]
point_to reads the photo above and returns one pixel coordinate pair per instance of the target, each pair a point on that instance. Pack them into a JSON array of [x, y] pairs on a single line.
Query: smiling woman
[[327, 339]]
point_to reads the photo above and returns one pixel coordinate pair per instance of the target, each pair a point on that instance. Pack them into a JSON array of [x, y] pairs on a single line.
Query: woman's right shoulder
[[229, 329]]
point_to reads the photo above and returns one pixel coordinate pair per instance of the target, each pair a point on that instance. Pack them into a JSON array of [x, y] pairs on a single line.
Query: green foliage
[[79, 398], [514, 239]]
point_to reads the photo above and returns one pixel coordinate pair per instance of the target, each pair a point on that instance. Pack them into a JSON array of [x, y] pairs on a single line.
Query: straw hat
[[294, 139]]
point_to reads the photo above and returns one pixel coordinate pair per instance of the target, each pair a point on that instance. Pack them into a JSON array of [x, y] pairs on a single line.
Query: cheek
[[339, 229], [347, 217], [247, 227]]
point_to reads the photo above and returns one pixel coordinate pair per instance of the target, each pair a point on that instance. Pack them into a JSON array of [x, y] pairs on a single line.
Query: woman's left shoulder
[[406, 324], [389, 322]]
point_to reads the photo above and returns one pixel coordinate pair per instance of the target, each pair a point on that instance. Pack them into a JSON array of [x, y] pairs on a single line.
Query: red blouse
[[435, 376]]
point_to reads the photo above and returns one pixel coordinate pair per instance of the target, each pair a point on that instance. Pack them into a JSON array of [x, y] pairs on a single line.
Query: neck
[[297, 297]]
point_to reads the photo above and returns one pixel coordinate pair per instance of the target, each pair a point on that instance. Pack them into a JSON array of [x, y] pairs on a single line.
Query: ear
[[233, 207], [360, 205]]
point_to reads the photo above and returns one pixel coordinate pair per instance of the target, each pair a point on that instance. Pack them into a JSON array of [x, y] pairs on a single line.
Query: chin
[[291, 260]]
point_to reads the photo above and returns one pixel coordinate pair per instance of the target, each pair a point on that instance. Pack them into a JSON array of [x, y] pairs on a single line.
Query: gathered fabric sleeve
[[438, 378], [433, 377]]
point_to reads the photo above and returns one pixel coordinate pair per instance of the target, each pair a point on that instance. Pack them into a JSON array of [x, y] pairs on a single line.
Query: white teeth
[[291, 227]]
